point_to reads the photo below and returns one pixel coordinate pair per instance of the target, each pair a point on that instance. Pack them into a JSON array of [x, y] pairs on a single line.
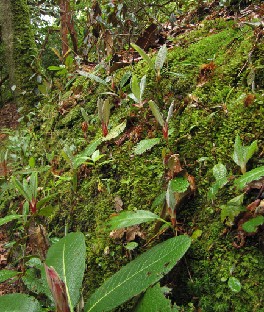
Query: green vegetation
[[93, 158]]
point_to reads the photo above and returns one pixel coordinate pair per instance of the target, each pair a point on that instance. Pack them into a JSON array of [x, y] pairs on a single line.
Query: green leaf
[[145, 57], [131, 245], [115, 131], [232, 209], [6, 274], [252, 225], [10, 218], [242, 154], [219, 171], [20, 187], [170, 198], [129, 218], [216, 187], [145, 145], [44, 200], [85, 115], [147, 304], [156, 112], [234, 284], [127, 75], [138, 275], [55, 68], [252, 175], [142, 86], [91, 148], [135, 88], [179, 184], [19, 303], [161, 57], [67, 257], [92, 77], [159, 200], [34, 184]]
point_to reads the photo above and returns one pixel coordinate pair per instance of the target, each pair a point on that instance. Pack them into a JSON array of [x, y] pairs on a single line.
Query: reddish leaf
[[58, 289]]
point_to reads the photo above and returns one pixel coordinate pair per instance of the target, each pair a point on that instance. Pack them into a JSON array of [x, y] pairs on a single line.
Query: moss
[[207, 117]]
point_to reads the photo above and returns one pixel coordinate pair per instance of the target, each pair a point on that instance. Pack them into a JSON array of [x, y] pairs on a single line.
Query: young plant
[[242, 153], [157, 114], [75, 161], [104, 114], [159, 62], [65, 265], [137, 90], [220, 175]]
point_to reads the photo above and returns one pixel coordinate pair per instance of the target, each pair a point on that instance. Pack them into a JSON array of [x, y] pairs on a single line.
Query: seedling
[[137, 90], [164, 123], [104, 114]]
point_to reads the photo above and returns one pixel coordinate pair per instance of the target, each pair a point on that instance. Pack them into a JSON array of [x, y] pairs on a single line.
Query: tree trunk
[[20, 50]]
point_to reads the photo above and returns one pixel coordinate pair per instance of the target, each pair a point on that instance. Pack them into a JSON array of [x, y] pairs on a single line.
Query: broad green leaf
[[159, 200], [92, 77], [6, 274], [234, 284], [179, 184], [252, 175], [156, 112], [67, 257], [142, 86], [144, 55], [252, 225], [145, 145], [135, 88], [91, 148], [160, 303], [78, 161], [161, 57], [138, 275], [219, 171], [127, 75], [19, 303], [242, 154], [115, 131], [216, 187], [129, 218], [232, 209], [10, 218]]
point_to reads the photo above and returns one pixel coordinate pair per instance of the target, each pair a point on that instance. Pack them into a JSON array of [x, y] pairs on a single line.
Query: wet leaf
[[234, 284], [252, 225]]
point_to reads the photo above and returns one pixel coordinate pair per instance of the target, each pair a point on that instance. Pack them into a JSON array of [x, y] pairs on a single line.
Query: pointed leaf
[[115, 131], [156, 112], [6, 274], [67, 257], [145, 145], [91, 148], [129, 218], [170, 198], [125, 79], [179, 184], [58, 289], [138, 275], [9, 218], [135, 88], [161, 57], [92, 77], [20, 187], [143, 54], [252, 175], [142, 86]]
